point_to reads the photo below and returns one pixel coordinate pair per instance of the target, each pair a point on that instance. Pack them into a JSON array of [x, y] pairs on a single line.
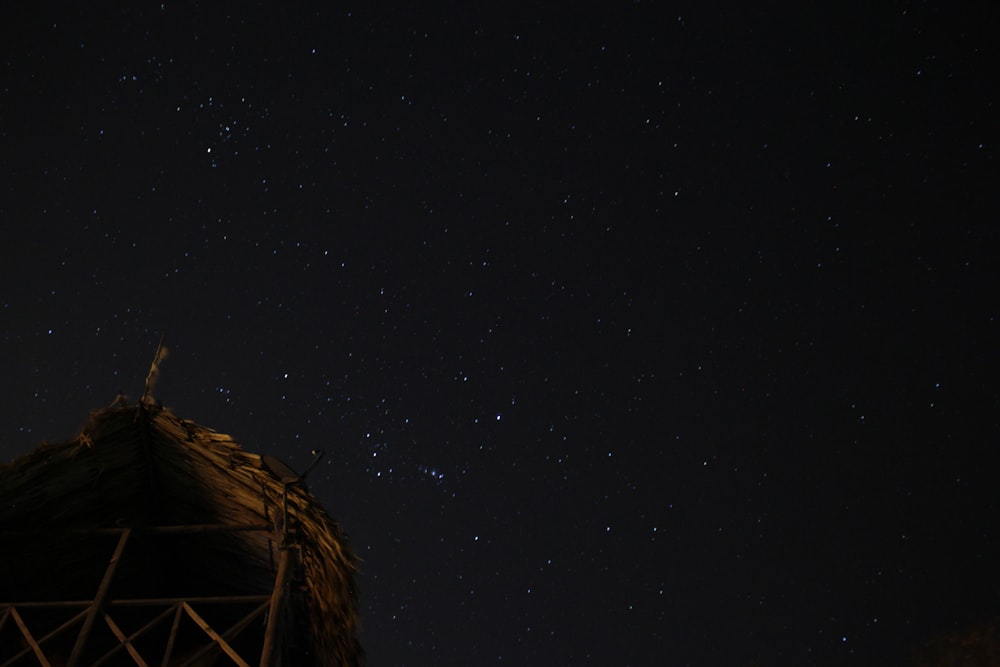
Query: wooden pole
[[270, 656], [27, 636], [146, 530], [173, 635], [125, 641], [97, 605], [52, 633], [195, 658], [216, 637]]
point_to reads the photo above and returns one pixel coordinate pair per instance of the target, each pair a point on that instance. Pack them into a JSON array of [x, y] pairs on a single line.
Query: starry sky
[[637, 333]]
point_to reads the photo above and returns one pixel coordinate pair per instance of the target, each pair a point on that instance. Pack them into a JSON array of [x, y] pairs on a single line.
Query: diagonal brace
[[22, 626], [98, 604], [216, 637]]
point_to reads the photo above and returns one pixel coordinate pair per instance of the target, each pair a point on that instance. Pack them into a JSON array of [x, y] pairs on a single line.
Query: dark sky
[[636, 335]]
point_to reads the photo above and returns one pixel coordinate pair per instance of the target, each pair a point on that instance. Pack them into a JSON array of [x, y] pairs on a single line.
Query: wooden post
[[270, 656], [98, 603]]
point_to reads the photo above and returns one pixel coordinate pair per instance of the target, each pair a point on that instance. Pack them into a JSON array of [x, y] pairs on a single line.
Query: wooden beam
[[223, 644], [241, 624], [41, 641], [124, 641], [210, 528], [270, 655], [143, 602], [173, 635], [151, 530], [210, 599], [99, 599], [228, 635], [39, 654], [175, 605]]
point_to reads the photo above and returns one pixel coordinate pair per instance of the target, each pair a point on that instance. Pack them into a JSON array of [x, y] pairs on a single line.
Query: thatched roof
[[204, 518]]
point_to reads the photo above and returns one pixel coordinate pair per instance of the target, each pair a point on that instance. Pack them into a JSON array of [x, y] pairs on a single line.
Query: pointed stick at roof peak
[[154, 372]]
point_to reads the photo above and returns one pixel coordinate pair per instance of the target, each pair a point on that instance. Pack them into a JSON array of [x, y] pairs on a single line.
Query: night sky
[[646, 334]]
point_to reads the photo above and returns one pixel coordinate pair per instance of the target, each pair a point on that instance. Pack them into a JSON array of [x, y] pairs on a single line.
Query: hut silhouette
[[150, 540]]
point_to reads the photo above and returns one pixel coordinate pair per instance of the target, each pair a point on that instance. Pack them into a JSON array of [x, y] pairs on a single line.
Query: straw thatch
[[202, 518]]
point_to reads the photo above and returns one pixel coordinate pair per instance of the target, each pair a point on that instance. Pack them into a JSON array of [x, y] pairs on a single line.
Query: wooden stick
[[31, 640], [228, 635], [124, 641], [223, 644], [173, 635], [98, 604], [144, 602], [144, 530], [269, 655], [41, 641]]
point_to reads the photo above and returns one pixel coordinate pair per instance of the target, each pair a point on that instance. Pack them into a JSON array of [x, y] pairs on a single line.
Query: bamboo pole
[[98, 604], [125, 641], [227, 636], [151, 530], [173, 635], [31, 640], [142, 602], [216, 637], [270, 655], [53, 633]]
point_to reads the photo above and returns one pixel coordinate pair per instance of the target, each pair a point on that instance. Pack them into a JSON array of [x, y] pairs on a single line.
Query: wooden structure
[[150, 540]]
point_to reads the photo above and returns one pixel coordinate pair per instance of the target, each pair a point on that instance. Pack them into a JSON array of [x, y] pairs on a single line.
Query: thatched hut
[[150, 540]]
